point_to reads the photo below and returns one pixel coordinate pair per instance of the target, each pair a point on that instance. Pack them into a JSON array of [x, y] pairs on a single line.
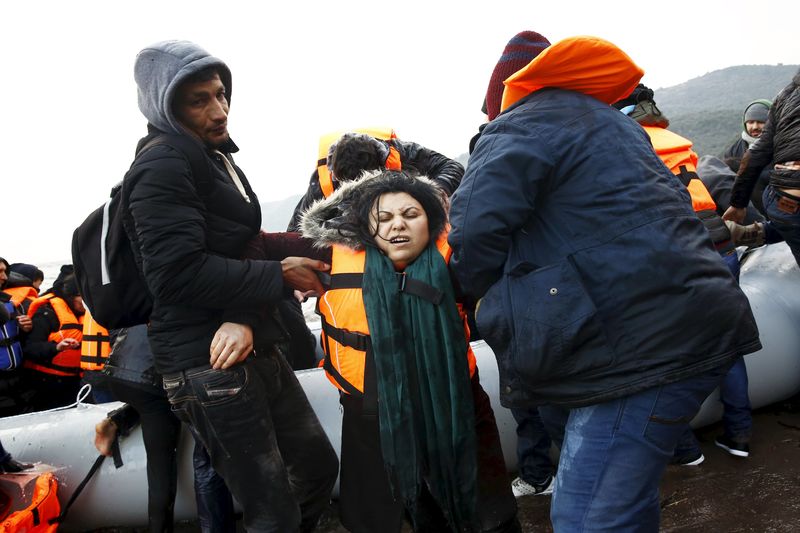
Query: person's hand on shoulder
[[232, 343]]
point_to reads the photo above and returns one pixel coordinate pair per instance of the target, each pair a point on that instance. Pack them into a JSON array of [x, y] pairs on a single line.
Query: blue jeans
[[533, 446], [263, 439], [787, 224], [615, 453]]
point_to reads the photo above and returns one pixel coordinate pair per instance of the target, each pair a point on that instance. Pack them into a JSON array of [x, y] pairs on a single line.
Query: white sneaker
[[520, 487]]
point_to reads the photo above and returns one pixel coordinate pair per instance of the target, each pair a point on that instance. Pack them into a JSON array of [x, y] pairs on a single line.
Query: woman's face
[[400, 225]]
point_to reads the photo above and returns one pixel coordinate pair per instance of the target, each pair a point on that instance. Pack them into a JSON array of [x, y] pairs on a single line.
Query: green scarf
[[425, 410]]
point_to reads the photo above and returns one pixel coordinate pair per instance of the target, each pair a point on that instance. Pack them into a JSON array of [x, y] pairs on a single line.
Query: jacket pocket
[[556, 332]]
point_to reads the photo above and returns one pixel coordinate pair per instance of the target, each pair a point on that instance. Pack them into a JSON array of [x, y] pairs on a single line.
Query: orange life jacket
[[345, 333], [95, 344], [65, 362], [326, 180], [36, 517], [677, 154], [21, 294]]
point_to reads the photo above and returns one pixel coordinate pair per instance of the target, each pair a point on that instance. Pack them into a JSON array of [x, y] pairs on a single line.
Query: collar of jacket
[[228, 147]]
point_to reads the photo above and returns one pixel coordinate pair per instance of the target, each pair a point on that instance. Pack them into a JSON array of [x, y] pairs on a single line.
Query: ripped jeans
[[263, 439]]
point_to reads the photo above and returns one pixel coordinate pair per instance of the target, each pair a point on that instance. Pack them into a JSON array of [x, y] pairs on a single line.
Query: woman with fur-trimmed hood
[[418, 432]]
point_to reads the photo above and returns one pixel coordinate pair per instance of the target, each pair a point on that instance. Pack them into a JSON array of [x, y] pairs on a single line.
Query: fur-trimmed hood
[[323, 221]]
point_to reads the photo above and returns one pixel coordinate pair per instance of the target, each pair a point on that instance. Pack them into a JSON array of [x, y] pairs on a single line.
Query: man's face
[[202, 108], [754, 127], [3, 274]]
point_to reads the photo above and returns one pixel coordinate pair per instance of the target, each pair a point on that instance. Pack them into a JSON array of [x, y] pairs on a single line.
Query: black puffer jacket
[[779, 142], [190, 245], [415, 158]]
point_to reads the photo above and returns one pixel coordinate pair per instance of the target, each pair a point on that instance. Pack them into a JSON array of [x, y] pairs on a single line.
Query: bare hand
[[104, 433], [301, 273], [232, 343], [736, 214], [25, 323], [67, 344]]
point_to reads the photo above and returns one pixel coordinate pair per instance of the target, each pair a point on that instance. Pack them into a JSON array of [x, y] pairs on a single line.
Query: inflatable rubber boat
[[118, 497]]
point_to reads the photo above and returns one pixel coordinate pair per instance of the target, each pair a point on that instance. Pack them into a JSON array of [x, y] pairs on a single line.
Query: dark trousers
[[366, 502], [160, 432], [263, 438], [51, 391], [214, 501], [533, 446]]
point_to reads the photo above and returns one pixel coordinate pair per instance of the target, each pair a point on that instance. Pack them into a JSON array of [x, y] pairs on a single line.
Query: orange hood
[[583, 64]]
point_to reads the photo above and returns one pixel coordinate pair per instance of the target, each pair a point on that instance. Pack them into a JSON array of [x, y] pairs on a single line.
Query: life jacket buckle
[[401, 281]]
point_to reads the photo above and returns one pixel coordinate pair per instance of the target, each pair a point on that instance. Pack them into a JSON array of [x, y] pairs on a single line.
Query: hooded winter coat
[[778, 143], [189, 245], [597, 279]]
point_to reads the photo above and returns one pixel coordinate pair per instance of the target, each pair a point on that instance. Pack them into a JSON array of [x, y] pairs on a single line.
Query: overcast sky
[[300, 70]]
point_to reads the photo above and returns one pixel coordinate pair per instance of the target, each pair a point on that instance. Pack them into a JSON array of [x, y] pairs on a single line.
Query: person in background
[[677, 154], [536, 469], [14, 324], [212, 328], [754, 119], [52, 348], [418, 432], [779, 143], [596, 280]]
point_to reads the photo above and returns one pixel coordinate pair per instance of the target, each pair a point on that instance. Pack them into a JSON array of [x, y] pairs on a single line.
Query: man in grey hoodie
[[212, 329]]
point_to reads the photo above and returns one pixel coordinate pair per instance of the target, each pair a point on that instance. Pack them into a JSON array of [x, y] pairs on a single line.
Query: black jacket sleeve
[[445, 172], [755, 159], [37, 346], [170, 224], [313, 194]]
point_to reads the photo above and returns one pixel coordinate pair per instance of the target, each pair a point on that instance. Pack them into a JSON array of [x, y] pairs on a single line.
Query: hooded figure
[[596, 280], [211, 309]]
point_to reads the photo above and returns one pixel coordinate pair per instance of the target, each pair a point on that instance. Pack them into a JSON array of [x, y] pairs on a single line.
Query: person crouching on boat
[[418, 433]]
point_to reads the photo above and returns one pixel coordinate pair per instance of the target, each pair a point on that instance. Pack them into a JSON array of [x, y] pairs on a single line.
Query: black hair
[[356, 153], [360, 214], [202, 75]]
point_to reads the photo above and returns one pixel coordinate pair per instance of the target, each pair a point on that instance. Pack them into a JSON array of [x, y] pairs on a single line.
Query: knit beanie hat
[[520, 50], [29, 271], [757, 110]]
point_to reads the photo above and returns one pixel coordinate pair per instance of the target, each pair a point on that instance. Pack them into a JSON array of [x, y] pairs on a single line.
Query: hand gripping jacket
[[66, 362], [326, 183], [345, 333], [677, 154], [95, 344]]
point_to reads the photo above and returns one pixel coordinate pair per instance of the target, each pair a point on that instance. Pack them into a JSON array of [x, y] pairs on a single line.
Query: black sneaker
[[690, 459], [739, 449]]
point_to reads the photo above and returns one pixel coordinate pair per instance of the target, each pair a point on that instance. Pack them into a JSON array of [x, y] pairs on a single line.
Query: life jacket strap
[[686, 175], [352, 339], [418, 288], [348, 280]]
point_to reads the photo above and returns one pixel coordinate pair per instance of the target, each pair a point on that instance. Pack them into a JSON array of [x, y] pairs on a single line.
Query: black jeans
[[263, 439], [160, 432]]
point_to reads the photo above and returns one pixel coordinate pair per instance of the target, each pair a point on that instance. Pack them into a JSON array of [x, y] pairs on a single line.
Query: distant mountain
[[708, 109], [275, 215]]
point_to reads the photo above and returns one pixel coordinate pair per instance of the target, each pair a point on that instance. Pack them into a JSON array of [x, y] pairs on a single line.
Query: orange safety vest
[[95, 344], [326, 180], [65, 362], [36, 517], [677, 154], [21, 294], [345, 333]]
